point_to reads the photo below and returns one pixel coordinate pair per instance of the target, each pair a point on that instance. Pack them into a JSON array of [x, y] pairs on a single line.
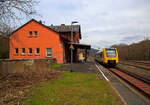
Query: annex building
[[35, 40]]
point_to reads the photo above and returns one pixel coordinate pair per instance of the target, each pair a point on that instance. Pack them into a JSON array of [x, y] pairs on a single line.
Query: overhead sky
[[103, 22]]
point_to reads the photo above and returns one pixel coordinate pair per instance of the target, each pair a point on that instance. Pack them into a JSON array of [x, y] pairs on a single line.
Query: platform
[[126, 94], [87, 67]]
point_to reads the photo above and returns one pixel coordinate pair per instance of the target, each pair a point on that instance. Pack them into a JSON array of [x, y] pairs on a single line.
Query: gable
[[32, 20], [21, 37]]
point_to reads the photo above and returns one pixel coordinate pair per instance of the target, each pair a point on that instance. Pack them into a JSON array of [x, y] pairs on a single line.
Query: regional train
[[108, 56]]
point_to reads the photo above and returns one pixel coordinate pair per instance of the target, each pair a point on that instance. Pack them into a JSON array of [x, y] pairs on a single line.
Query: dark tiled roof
[[65, 28], [57, 29]]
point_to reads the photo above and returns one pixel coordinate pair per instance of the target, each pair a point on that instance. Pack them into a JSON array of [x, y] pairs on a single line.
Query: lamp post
[[73, 22]]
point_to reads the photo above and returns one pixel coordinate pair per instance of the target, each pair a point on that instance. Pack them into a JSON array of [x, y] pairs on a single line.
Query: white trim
[[24, 51], [46, 52], [30, 33], [23, 54], [36, 51], [102, 72], [35, 35], [29, 51], [15, 51]]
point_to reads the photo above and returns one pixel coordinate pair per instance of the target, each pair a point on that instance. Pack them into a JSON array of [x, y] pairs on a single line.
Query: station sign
[[71, 46]]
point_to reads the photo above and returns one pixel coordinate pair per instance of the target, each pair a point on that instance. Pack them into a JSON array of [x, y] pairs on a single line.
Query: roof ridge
[[61, 26]]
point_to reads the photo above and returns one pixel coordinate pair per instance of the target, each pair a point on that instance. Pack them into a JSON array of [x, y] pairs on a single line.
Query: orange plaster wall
[[46, 38]]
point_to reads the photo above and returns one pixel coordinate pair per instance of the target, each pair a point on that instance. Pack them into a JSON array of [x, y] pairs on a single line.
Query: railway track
[[135, 65], [143, 62], [141, 75], [139, 83], [139, 62]]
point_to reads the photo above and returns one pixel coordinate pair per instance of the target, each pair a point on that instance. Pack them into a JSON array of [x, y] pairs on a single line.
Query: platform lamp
[[73, 22]]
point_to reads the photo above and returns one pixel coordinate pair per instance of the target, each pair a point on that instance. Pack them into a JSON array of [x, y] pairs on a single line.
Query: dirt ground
[[13, 86]]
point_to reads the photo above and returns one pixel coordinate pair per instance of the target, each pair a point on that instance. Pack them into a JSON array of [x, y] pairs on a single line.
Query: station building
[[35, 40]]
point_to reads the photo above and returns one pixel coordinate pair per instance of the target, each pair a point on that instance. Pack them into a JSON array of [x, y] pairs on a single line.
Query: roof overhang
[[80, 46]]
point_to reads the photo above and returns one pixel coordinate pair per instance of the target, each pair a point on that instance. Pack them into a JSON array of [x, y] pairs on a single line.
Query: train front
[[110, 56]]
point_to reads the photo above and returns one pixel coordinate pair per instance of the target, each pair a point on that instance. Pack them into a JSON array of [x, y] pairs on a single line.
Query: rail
[[148, 68], [138, 83]]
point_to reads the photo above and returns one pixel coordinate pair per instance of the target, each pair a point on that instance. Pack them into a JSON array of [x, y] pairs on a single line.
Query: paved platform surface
[[127, 95], [88, 67]]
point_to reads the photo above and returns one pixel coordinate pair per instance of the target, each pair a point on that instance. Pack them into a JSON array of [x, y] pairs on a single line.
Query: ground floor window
[[37, 51], [48, 52], [30, 51], [23, 51], [16, 50]]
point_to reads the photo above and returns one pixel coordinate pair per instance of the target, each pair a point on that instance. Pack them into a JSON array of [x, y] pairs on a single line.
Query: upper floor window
[[35, 33], [30, 51], [16, 50], [30, 34], [23, 51], [37, 51], [48, 52]]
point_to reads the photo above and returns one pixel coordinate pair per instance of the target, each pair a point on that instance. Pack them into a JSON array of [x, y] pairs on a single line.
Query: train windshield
[[111, 52]]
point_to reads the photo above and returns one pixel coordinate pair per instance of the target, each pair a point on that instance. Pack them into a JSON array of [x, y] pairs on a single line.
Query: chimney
[[40, 21], [62, 24]]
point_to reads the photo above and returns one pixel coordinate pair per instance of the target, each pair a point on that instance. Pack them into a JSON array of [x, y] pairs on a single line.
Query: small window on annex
[[16, 50], [23, 51], [35, 33], [37, 51], [30, 51], [30, 33], [48, 52]]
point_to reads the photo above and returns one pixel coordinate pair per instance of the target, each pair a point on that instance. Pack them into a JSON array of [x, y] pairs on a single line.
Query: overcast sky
[[103, 22]]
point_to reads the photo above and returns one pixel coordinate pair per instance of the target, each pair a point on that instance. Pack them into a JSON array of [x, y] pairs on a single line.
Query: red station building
[[35, 40]]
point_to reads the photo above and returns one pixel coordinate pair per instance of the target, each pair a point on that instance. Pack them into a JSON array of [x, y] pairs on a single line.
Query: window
[[111, 52], [35, 33], [23, 51], [16, 51], [48, 52], [30, 34], [37, 51], [30, 51]]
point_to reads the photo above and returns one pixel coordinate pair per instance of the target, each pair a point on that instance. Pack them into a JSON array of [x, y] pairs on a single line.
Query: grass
[[55, 65], [73, 89]]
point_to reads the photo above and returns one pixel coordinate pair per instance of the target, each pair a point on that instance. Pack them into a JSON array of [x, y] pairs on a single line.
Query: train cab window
[[111, 52]]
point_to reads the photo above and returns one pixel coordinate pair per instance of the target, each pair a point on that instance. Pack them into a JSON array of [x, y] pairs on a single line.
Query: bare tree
[[5, 29], [136, 51], [15, 9]]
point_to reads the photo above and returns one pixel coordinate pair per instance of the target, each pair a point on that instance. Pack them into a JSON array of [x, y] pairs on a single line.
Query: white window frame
[[36, 51], [24, 51], [35, 35], [29, 51], [47, 53], [30, 33], [16, 50]]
